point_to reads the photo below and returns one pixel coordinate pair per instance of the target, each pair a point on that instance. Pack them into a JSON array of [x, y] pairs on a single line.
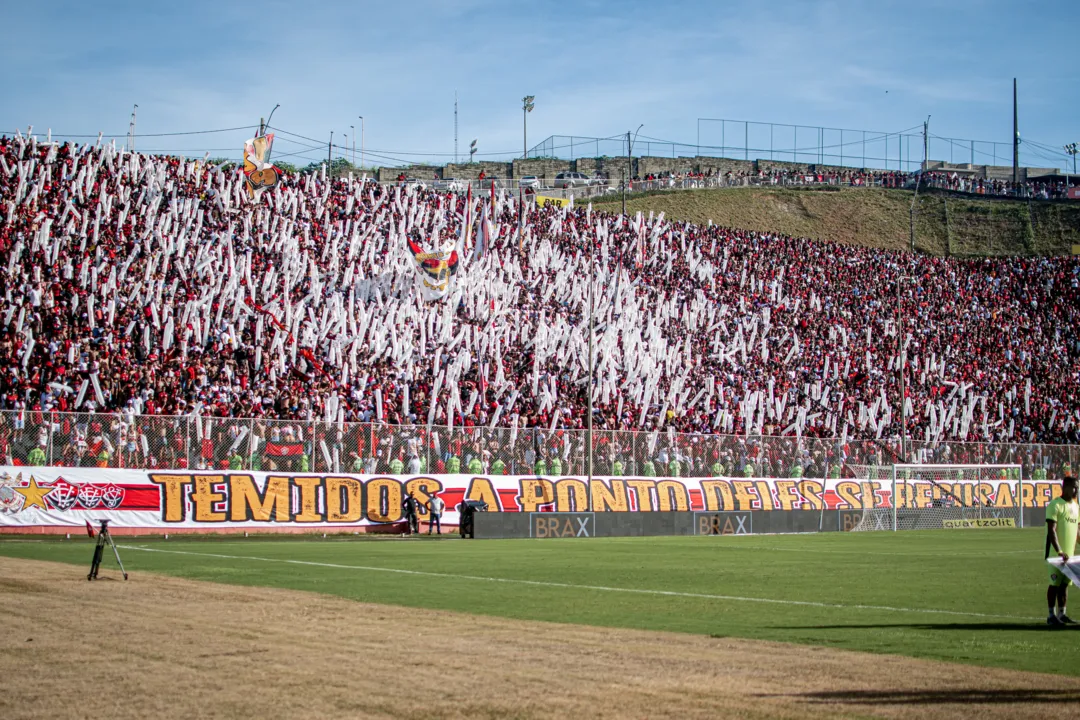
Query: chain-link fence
[[121, 440]]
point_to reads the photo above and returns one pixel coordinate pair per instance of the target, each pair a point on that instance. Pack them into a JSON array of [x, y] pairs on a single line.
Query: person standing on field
[[435, 507], [1062, 521], [409, 507]]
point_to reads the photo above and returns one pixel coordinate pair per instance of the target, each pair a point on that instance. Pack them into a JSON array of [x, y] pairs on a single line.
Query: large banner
[[57, 496]]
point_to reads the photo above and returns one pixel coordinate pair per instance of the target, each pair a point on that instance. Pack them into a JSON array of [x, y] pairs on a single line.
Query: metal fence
[[807, 144], [121, 440]]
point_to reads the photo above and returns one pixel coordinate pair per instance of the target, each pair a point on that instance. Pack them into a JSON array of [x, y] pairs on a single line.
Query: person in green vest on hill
[[453, 465], [617, 468], [236, 461], [674, 468], [498, 467], [396, 466], [36, 456], [648, 469], [556, 466], [475, 466]]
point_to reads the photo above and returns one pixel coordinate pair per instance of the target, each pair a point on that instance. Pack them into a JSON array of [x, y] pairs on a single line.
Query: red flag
[[89, 529]]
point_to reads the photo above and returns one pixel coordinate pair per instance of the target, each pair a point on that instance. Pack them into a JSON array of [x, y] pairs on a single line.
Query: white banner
[[58, 496]]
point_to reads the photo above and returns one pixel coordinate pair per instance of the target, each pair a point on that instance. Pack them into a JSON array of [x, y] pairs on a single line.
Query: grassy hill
[[946, 224]]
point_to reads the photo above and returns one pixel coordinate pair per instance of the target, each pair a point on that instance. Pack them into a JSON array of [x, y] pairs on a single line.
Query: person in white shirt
[[435, 507]]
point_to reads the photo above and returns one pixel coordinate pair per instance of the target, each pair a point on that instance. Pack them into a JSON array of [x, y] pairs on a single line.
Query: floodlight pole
[[1071, 149], [901, 355], [361, 141], [589, 391]]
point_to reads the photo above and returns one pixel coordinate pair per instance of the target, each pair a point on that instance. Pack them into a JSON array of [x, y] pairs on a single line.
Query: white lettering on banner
[[59, 496]]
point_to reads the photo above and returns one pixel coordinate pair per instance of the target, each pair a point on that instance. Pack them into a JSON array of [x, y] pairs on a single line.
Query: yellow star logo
[[34, 495]]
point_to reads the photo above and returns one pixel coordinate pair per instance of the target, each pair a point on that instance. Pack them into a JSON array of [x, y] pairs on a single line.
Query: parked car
[[451, 185], [529, 181], [571, 180]]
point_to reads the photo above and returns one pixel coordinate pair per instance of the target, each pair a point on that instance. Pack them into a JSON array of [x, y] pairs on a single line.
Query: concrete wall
[[471, 171], [545, 169]]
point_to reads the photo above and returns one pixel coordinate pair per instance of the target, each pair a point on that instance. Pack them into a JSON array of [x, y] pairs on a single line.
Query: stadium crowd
[[141, 288]]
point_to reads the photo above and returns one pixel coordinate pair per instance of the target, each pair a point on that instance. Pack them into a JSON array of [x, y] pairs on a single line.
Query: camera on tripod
[[104, 536]]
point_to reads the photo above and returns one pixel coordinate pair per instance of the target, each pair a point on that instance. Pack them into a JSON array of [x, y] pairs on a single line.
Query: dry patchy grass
[[171, 648], [874, 217]]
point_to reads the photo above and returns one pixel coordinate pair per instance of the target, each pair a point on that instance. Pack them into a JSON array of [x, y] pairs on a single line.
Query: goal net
[[932, 497]]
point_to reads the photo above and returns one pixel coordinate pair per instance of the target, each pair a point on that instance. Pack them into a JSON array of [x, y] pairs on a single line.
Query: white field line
[[572, 586]]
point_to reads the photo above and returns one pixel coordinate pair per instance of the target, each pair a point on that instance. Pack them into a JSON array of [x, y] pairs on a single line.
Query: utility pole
[[918, 181], [352, 157], [263, 127], [629, 164], [329, 156], [455, 127], [1016, 141]]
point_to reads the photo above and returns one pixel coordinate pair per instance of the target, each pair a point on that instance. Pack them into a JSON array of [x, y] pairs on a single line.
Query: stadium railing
[[120, 440]]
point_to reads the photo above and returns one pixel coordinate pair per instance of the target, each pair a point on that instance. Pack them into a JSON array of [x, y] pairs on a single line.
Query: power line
[[145, 135]]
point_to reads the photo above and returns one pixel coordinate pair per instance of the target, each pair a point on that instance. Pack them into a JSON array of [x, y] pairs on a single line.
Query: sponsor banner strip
[[58, 496]]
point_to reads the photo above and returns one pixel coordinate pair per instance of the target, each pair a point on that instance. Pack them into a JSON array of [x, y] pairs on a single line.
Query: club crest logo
[[10, 501], [112, 496], [63, 495], [90, 495]]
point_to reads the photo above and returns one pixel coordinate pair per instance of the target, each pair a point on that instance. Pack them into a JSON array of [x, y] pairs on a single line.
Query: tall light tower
[[131, 130], [1072, 149], [361, 141], [527, 105]]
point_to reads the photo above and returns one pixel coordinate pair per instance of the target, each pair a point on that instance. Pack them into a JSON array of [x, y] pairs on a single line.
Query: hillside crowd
[[141, 287]]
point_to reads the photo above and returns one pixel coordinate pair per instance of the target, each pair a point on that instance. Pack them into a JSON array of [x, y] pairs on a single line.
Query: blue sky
[[596, 69]]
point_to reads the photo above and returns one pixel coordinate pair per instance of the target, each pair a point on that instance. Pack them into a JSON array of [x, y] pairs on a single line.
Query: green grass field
[[972, 596]]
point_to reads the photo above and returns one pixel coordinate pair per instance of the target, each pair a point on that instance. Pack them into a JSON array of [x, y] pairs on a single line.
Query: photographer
[[409, 509]]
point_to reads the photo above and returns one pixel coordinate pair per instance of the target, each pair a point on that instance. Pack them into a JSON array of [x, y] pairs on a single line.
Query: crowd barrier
[[152, 442]]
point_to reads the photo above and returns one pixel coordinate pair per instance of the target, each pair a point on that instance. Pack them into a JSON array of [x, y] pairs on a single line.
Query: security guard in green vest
[[453, 465], [648, 469], [396, 466], [475, 466], [498, 467], [556, 466]]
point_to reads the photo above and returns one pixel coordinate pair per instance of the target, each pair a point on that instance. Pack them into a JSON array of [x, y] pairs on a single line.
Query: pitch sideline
[[573, 586]]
